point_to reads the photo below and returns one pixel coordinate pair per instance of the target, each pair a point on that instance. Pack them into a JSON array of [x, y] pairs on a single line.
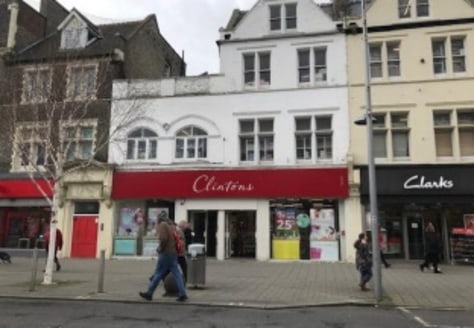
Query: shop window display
[[300, 231], [137, 230], [23, 229]]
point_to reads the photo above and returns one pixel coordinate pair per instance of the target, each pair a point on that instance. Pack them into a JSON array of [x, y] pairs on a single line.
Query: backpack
[[178, 242]]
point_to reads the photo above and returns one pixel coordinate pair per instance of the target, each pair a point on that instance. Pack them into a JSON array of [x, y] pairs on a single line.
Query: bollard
[[34, 269], [100, 287]]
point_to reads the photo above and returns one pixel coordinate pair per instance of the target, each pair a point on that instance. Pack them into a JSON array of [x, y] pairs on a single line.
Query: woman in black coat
[[432, 249]]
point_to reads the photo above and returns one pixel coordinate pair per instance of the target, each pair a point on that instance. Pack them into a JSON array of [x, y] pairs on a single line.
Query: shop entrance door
[[240, 234], [415, 236], [84, 236], [204, 225]]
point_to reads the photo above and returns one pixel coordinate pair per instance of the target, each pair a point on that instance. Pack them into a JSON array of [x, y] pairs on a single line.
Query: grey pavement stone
[[249, 283]]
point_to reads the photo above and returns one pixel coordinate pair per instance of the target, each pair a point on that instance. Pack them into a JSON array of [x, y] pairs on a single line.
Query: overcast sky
[[191, 26]]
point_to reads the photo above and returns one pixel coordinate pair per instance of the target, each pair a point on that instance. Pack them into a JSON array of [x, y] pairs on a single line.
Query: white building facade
[[255, 158]]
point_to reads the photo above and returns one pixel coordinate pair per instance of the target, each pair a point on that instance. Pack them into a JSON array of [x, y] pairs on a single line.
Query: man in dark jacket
[[167, 262]]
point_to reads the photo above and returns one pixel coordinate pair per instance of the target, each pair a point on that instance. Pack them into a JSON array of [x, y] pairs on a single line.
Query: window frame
[[376, 61], [84, 91], [191, 143], [36, 145], [256, 145], [443, 128], [456, 57], [73, 144], [32, 77], [313, 67], [255, 67], [439, 59], [74, 37], [279, 18], [150, 142]]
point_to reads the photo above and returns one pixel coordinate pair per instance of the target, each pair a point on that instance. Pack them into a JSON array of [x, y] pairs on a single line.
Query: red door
[[84, 236]]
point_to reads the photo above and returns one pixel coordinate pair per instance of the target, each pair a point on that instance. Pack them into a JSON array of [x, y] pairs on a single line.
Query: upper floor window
[[30, 146], [256, 139], [79, 140], [74, 38], [36, 85], [454, 55], [280, 15], [452, 127], [406, 8], [385, 59], [142, 144], [313, 137], [257, 72], [81, 84], [312, 65], [391, 135], [191, 143]]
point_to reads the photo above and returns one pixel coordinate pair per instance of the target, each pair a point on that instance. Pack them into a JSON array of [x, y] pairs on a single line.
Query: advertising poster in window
[[324, 245], [469, 221], [154, 213], [285, 223], [127, 224]]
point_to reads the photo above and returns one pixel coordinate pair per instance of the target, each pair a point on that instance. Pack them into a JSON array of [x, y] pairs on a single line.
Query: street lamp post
[[377, 274]]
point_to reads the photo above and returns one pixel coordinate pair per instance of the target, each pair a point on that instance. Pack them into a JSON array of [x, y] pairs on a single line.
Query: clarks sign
[[421, 182]]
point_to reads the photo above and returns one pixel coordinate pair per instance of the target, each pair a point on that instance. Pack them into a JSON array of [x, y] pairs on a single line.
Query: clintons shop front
[[264, 214]]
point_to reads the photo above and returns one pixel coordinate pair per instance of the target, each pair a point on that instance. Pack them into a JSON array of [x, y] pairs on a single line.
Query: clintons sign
[[263, 183], [205, 183]]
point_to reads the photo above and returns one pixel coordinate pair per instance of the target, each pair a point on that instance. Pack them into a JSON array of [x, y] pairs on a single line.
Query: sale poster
[[285, 223]]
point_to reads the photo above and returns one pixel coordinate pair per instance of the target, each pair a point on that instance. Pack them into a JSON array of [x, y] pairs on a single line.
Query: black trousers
[[431, 258], [56, 261], [383, 259]]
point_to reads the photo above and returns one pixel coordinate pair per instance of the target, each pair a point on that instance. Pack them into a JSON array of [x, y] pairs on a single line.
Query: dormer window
[[407, 9], [283, 17], [74, 38]]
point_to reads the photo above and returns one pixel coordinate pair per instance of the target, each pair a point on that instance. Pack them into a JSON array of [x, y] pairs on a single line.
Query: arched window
[[142, 144], [191, 143]]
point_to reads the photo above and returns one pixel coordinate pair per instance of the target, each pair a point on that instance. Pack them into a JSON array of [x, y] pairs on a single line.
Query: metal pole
[[100, 287], [377, 273], [34, 269]]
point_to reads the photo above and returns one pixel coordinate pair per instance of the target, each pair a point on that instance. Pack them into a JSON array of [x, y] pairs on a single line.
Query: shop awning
[[23, 188], [238, 183]]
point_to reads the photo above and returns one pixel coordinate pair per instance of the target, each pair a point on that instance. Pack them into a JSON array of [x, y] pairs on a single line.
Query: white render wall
[[284, 59], [219, 116]]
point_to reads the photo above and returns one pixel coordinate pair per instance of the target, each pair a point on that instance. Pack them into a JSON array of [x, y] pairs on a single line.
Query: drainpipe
[[13, 26]]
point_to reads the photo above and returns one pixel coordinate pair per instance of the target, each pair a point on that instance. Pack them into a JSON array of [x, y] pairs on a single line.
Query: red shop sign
[[263, 183], [23, 188]]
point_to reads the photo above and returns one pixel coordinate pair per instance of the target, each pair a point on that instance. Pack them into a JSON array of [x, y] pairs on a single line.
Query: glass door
[[415, 235], [240, 234]]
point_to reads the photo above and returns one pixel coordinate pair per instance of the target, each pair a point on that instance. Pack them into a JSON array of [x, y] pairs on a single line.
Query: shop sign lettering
[[205, 183], [420, 182]]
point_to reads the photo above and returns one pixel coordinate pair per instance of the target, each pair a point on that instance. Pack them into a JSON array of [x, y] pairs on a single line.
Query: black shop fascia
[[420, 183]]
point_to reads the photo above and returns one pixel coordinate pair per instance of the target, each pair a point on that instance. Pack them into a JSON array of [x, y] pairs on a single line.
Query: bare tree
[[55, 121]]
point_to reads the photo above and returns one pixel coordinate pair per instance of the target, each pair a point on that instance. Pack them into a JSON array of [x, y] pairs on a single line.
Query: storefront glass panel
[[23, 228], [304, 229], [136, 225]]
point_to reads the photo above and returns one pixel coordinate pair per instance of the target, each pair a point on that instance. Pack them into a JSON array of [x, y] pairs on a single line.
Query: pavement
[[247, 283]]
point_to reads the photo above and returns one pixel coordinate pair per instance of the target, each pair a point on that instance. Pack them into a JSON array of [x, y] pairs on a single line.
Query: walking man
[[167, 262]]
